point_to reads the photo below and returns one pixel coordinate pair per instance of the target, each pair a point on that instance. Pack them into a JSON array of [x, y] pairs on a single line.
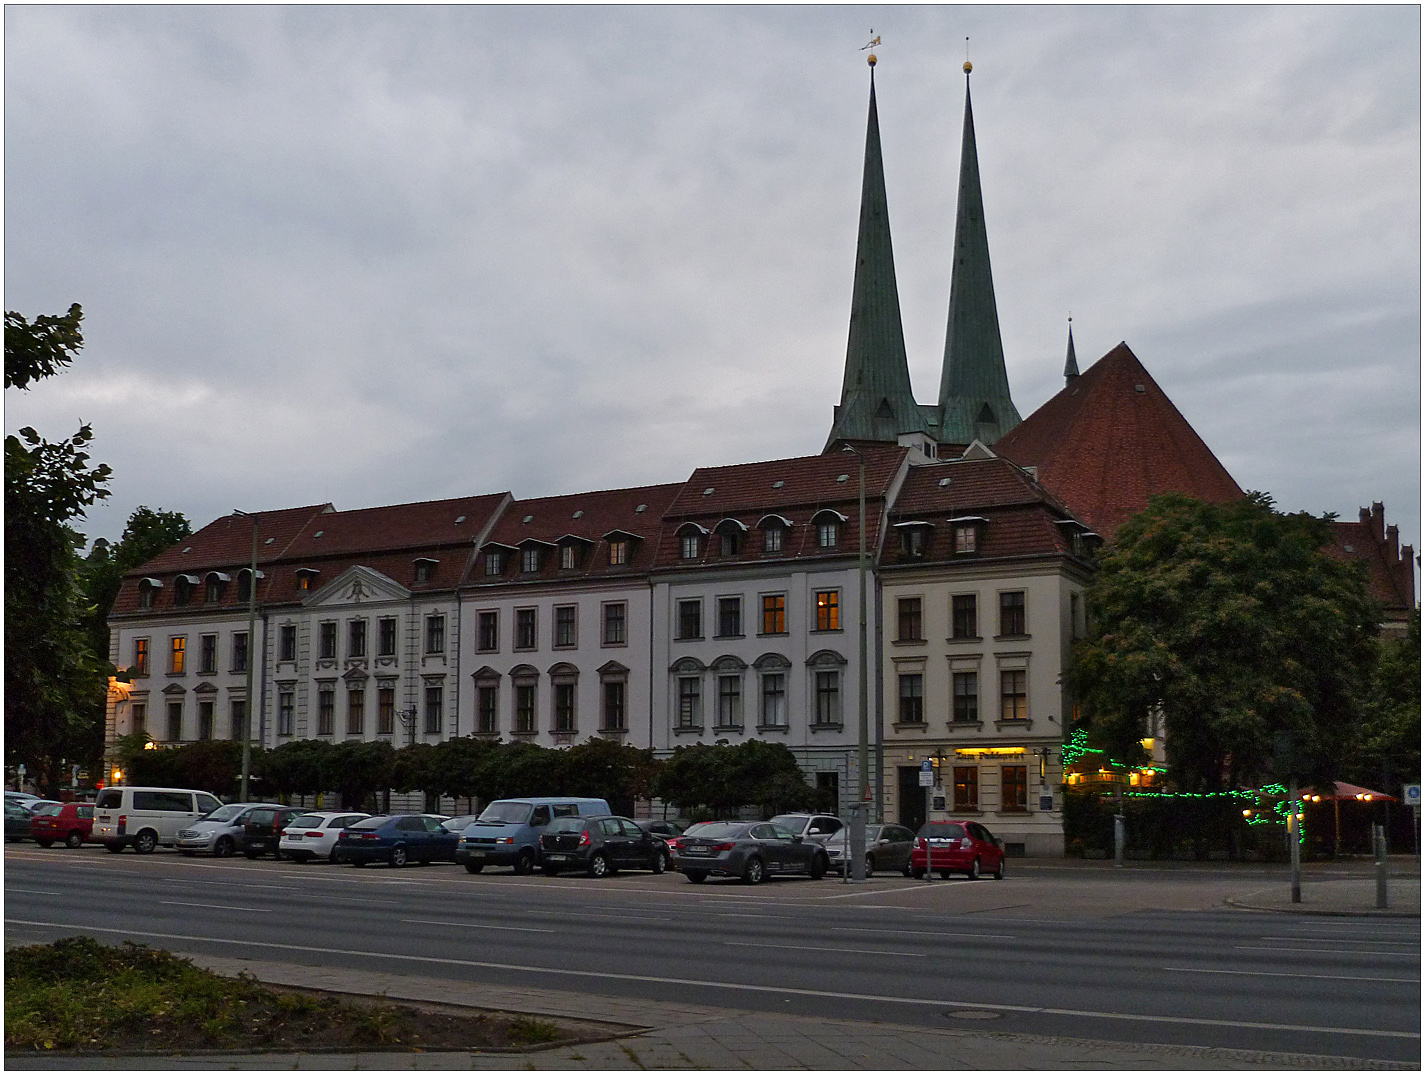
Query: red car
[[67, 823], [963, 846]]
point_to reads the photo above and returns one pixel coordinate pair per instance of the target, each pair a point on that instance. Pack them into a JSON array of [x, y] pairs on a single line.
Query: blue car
[[396, 840]]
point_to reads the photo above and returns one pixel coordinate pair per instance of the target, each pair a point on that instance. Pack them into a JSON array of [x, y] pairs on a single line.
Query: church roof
[[1110, 440], [1391, 576]]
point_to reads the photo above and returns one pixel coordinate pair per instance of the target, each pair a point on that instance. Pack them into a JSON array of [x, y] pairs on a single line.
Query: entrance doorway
[[828, 800], [910, 797]]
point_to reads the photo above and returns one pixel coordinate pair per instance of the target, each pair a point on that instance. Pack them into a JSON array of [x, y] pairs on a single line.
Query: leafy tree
[[356, 770], [724, 779], [147, 534], [208, 765], [461, 766], [295, 768], [54, 685], [1230, 621], [1387, 752], [604, 769]]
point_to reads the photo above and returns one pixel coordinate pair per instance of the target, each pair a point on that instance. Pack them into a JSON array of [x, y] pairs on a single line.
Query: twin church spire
[[877, 403]]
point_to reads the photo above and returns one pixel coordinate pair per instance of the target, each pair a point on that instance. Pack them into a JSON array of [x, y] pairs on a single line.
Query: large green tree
[[1231, 622], [147, 534], [54, 685], [1387, 751]]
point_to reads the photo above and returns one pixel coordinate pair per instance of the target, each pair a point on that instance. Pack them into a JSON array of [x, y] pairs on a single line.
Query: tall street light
[[856, 866], [252, 660]]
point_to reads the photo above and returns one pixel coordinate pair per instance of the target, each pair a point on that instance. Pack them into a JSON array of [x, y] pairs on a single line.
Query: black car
[[752, 850], [599, 846], [263, 830], [663, 831]]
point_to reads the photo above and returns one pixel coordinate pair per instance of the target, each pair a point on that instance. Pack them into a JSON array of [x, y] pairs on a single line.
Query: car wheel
[[145, 842], [696, 876], [474, 867], [113, 846], [660, 862], [224, 847], [334, 856], [974, 872], [74, 839], [45, 843], [549, 870], [598, 865], [817, 868], [397, 857], [753, 871], [526, 862], [999, 873], [906, 870], [870, 866]]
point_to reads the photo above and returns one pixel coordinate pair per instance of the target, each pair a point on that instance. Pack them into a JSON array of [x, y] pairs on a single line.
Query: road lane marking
[[37, 891], [925, 933], [472, 925], [731, 986], [212, 906], [1327, 951], [1345, 940], [1285, 974], [810, 948]]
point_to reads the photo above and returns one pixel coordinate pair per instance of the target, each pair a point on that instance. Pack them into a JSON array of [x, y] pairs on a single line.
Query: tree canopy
[[1231, 622]]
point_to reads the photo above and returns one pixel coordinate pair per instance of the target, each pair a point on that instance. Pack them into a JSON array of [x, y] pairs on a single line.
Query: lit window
[[177, 654], [141, 657], [966, 792], [965, 539], [1012, 788], [618, 553], [774, 614], [828, 614]]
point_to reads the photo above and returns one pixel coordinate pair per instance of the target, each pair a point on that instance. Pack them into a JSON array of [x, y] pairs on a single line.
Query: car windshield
[[795, 822], [566, 824], [506, 813], [942, 830], [716, 830], [303, 821], [44, 809], [223, 813]]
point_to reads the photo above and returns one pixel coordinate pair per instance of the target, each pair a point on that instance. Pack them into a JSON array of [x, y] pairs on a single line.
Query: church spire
[[975, 392], [1071, 366], [877, 403]]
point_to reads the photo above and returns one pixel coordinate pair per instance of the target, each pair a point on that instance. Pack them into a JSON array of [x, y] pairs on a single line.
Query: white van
[[147, 817]]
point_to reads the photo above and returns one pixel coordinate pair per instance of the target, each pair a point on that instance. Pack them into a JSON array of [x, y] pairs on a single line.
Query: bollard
[[1379, 848], [1118, 839]]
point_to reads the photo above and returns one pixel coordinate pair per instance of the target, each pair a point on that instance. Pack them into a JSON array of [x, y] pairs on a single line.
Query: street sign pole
[[1294, 842], [928, 781]]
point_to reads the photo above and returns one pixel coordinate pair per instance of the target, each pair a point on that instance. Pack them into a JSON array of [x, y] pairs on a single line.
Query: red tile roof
[[1391, 575], [1110, 440]]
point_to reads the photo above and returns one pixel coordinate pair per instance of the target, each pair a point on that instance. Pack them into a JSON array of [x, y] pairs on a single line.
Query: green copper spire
[[877, 403], [975, 393]]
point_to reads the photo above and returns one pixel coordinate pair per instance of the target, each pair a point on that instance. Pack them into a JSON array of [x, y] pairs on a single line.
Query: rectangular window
[[207, 655], [386, 711], [487, 709], [1012, 788], [238, 713], [525, 628], [356, 638], [1074, 616], [965, 789], [205, 720], [424, 568], [386, 636], [965, 539], [569, 557], [728, 543], [730, 617], [911, 701], [730, 702], [616, 615], [327, 636], [435, 705], [284, 712], [494, 563], [688, 546], [487, 632], [618, 553], [564, 626], [564, 707], [140, 713], [827, 535], [524, 707], [287, 642], [435, 634], [963, 616], [177, 654], [240, 651], [828, 614], [141, 657], [690, 619], [774, 701], [175, 721], [690, 712], [774, 614], [965, 696], [1012, 613], [614, 719], [829, 698], [772, 539], [1012, 696], [529, 560], [326, 710], [356, 712], [908, 619]]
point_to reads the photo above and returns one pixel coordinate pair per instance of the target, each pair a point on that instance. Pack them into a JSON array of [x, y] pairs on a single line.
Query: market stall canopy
[[1343, 792]]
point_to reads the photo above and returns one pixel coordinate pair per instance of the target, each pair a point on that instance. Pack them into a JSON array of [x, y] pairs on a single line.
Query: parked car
[[458, 825], [888, 847], [664, 831], [507, 833], [314, 835], [599, 846], [147, 817], [17, 820], [818, 827], [66, 823], [397, 840], [262, 830], [217, 833], [950, 846], [25, 798], [752, 850]]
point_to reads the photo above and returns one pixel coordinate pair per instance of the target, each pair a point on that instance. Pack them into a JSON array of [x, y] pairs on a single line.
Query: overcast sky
[[371, 255]]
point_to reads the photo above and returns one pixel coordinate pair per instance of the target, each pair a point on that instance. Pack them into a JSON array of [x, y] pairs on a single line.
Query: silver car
[[888, 847], [815, 827], [217, 832]]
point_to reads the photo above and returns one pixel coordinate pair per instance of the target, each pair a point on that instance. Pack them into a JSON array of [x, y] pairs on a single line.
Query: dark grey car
[[752, 850], [888, 847]]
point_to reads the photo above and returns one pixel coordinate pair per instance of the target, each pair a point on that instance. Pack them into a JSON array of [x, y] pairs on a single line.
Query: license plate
[[695, 850], [476, 854], [558, 858]]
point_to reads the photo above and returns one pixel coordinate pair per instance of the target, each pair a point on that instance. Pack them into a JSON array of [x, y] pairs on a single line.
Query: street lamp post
[[251, 661], [856, 866]]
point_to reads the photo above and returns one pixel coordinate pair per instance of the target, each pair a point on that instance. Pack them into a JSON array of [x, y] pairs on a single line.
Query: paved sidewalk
[[1353, 896], [650, 1035]]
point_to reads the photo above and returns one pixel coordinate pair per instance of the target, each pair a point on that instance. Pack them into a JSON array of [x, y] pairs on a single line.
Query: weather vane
[[873, 43], [966, 68]]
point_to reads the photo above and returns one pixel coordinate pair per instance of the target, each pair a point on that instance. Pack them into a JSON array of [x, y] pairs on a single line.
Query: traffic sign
[[928, 776], [1412, 794]]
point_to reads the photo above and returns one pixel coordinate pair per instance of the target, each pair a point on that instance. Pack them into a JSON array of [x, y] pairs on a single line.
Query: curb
[[1241, 904]]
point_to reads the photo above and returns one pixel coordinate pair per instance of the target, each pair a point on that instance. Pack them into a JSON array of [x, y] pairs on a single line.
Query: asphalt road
[[985, 955]]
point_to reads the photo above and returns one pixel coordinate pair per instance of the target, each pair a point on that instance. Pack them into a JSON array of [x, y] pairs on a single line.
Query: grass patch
[[79, 995]]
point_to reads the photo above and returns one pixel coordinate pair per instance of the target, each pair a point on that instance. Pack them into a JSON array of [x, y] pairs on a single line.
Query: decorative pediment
[[358, 585], [203, 688], [178, 688], [826, 658], [355, 676]]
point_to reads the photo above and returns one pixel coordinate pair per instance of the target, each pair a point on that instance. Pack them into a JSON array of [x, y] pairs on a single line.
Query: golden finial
[[966, 66], [873, 43]]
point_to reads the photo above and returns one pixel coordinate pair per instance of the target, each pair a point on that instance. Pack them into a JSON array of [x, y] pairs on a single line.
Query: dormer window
[[183, 589], [306, 578], [529, 560], [146, 591], [494, 562], [688, 545], [425, 569], [245, 585], [967, 534], [569, 557], [215, 584], [618, 552], [829, 528], [774, 528], [965, 540], [915, 536]]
